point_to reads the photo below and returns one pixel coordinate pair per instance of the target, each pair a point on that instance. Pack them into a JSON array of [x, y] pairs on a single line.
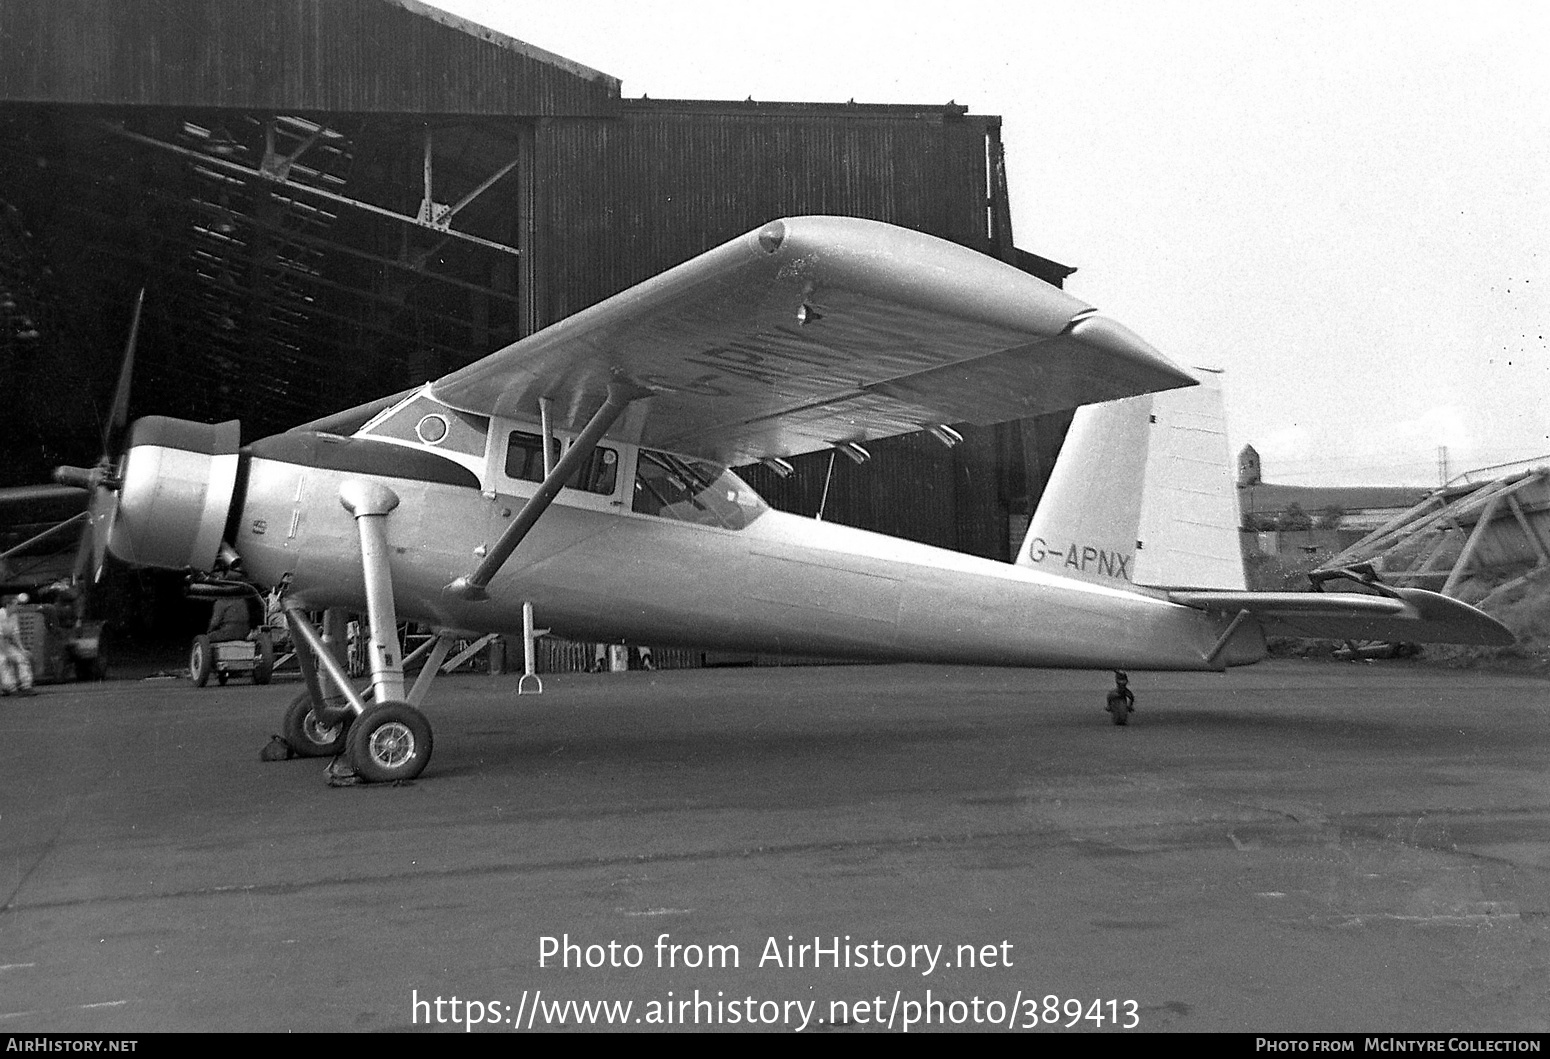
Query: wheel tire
[[201, 661], [1119, 708], [306, 736], [263, 664], [390, 742], [221, 677]]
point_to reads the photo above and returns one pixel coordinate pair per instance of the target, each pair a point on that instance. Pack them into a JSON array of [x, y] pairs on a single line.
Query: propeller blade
[[118, 415], [83, 553], [101, 513], [102, 508]]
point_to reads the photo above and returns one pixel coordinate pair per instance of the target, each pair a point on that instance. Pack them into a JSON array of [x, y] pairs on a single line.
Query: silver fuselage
[[594, 569]]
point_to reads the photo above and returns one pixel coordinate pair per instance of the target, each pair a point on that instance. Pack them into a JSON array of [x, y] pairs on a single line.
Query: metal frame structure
[[1467, 526]]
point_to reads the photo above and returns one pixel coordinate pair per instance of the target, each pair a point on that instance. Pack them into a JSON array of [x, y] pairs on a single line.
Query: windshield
[[688, 490]]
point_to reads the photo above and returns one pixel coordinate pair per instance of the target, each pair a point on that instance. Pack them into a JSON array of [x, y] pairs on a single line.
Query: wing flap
[[815, 330], [1409, 615]]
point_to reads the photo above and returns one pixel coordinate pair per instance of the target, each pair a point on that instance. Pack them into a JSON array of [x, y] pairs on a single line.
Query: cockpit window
[[598, 473], [427, 422], [688, 490], [525, 456]]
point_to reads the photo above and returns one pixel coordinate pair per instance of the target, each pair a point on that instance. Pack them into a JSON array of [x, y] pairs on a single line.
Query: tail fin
[[1143, 493]]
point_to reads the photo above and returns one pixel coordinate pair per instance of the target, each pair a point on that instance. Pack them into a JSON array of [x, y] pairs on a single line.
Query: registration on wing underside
[[816, 330], [1029, 380]]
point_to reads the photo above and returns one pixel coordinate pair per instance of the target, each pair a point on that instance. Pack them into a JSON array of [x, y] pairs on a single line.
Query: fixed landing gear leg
[[315, 722], [313, 730], [1121, 700], [390, 741]]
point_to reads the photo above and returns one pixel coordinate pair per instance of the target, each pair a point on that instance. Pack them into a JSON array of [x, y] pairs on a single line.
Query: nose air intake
[[177, 484]]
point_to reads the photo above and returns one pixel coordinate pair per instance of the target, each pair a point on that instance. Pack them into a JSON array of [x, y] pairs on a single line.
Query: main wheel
[[201, 661], [390, 741], [263, 662], [307, 735]]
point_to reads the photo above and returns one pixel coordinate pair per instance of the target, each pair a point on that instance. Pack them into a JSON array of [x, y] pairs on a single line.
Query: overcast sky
[[1346, 206]]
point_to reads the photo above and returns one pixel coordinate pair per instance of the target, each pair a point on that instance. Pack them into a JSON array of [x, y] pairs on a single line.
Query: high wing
[[1398, 615], [813, 331]]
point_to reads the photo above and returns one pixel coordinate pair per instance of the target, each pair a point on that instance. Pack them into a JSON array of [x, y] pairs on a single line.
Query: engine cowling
[[176, 486]]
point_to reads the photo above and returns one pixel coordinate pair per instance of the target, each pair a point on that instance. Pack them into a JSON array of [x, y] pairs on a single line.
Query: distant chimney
[[1248, 467]]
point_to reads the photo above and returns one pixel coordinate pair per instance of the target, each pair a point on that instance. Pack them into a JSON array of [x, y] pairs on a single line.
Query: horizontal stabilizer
[[1408, 615]]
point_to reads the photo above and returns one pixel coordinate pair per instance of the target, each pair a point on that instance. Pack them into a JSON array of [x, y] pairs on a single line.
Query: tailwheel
[[390, 742], [307, 736], [1121, 700]]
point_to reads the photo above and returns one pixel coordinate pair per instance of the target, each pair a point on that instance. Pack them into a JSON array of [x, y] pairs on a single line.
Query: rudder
[[1142, 493]]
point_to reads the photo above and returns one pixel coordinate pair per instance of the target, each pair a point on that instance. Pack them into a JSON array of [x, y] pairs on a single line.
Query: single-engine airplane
[[583, 470]]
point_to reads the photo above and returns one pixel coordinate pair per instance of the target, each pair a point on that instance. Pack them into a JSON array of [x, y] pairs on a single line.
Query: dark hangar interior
[[327, 202]]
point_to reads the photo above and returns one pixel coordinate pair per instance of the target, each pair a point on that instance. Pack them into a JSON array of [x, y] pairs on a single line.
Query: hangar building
[[326, 202]]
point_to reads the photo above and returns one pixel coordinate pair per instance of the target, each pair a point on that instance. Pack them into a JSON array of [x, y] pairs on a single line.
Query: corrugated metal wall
[[620, 200], [343, 56]]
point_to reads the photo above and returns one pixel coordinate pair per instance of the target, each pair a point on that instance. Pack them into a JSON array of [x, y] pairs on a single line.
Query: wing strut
[[473, 586], [79, 516], [1223, 640]]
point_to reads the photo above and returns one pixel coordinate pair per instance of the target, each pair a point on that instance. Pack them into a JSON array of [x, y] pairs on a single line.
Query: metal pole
[[303, 628], [544, 405], [468, 652], [428, 207], [422, 686], [309, 669], [1528, 529], [72, 520], [529, 662], [336, 633], [1227, 634], [306, 189], [827, 478], [480, 190], [1467, 555]]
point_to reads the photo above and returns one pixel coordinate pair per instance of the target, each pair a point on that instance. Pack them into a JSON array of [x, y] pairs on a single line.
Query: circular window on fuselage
[[432, 429]]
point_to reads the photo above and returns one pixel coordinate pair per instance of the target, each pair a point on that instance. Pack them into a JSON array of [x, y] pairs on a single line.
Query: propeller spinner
[[165, 500]]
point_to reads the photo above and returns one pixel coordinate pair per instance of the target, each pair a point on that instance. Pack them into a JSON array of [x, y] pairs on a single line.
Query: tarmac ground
[[1297, 846]]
